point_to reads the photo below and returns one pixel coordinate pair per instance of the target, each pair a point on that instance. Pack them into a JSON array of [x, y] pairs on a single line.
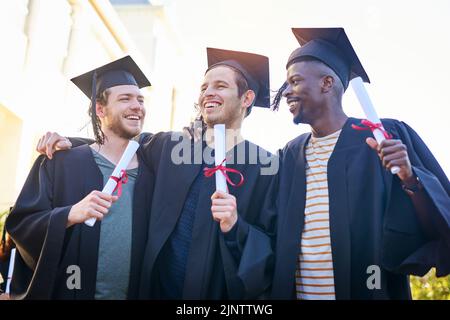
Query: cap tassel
[[94, 95]]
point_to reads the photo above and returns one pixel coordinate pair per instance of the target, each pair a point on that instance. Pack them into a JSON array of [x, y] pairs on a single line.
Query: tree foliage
[[429, 287]]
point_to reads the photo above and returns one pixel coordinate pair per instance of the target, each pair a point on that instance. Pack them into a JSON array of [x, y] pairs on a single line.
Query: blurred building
[[45, 43]]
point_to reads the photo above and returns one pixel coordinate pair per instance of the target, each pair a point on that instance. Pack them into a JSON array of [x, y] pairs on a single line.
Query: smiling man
[[347, 227], [59, 256], [205, 244]]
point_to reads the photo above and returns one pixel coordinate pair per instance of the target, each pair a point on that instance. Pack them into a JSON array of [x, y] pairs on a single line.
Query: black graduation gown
[[372, 220], [37, 224], [212, 272]]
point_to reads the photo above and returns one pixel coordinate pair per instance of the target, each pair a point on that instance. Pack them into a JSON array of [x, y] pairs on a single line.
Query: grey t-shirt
[[114, 253]]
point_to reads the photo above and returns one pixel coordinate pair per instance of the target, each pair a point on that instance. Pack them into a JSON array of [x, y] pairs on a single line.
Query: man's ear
[[249, 97], [327, 83], [100, 110]]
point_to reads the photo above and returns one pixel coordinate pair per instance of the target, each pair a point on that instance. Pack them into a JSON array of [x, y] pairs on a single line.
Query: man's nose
[[209, 91], [136, 104], [286, 89]]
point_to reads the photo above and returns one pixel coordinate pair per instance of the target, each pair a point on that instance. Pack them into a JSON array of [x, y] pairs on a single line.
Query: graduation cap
[[332, 47], [123, 71], [254, 68]]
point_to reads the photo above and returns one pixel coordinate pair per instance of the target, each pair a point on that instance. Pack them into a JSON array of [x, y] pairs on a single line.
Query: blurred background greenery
[[428, 287]]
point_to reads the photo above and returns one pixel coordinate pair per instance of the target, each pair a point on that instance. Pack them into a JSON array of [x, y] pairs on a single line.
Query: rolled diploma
[[122, 165], [369, 110], [219, 155], [10, 270]]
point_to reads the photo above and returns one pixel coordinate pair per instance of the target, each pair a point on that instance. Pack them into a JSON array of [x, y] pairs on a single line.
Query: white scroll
[[219, 156], [369, 110], [10, 270]]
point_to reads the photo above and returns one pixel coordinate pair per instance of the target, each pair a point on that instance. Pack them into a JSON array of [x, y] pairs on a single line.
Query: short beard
[[297, 118], [120, 132], [117, 128]]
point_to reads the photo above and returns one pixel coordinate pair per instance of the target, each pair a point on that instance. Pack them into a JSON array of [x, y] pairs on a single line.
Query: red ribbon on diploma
[[368, 125], [209, 172], [123, 179]]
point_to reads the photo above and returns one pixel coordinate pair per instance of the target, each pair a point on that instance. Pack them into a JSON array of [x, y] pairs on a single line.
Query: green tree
[[429, 287]]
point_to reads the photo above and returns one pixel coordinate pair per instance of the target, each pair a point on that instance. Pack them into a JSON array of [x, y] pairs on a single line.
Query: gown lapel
[[339, 215], [293, 219]]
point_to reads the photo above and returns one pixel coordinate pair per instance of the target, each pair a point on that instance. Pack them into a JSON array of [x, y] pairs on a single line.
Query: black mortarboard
[[332, 47], [123, 71], [254, 68]]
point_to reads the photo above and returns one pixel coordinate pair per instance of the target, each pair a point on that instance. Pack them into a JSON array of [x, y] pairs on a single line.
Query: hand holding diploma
[[224, 210], [94, 206], [223, 204], [393, 153], [117, 176]]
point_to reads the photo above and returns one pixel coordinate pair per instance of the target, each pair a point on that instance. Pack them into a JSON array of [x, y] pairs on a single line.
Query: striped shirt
[[314, 275]]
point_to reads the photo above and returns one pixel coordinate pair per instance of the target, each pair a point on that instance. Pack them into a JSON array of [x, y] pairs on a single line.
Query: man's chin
[[297, 119], [129, 134], [211, 121]]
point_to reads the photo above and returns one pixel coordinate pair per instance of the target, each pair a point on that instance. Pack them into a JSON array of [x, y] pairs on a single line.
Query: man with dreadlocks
[[60, 257], [347, 227]]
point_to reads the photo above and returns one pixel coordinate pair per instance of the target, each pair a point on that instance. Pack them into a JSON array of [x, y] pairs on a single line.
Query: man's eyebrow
[[131, 95], [220, 82], [215, 82], [295, 75]]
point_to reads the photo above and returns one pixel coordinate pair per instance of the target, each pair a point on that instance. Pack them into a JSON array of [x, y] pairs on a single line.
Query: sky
[[403, 45]]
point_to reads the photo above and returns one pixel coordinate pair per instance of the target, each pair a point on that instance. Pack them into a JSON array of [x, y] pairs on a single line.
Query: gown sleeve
[[428, 252], [37, 229], [247, 250]]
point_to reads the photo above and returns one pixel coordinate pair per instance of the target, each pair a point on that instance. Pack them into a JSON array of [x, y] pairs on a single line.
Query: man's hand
[[194, 131], [51, 142], [393, 152], [224, 210], [94, 205], [4, 296]]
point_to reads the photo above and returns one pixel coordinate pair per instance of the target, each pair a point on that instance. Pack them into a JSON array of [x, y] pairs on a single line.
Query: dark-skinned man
[[347, 227]]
